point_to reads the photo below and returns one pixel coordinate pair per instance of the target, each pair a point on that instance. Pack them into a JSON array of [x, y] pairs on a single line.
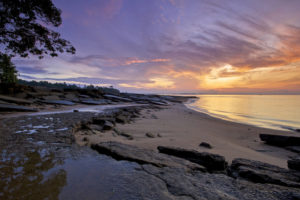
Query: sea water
[[281, 112]]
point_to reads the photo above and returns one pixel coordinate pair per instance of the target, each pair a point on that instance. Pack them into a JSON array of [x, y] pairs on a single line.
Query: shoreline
[[179, 126], [229, 139], [273, 125], [130, 145]]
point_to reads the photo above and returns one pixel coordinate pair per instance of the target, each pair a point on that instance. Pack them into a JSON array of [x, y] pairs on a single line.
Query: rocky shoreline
[[179, 173]]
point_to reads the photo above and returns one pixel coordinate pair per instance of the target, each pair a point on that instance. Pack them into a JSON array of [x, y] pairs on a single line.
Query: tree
[[8, 72], [24, 28]]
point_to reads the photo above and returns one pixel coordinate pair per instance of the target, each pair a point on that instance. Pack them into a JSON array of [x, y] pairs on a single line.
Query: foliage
[[8, 72], [24, 28], [67, 86]]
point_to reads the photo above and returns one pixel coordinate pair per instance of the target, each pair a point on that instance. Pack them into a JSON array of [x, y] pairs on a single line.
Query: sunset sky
[[225, 46]]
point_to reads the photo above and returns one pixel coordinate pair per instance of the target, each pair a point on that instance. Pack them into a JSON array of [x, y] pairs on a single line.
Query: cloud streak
[[195, 45]]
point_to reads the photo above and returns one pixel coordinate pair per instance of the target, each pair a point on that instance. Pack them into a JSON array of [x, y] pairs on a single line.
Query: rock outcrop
[[207, 186], [14, 100], [280, 140], [294, 164], [259, 172], [121, 151], [58, 102], [212, 162], [12, 108], [205, 145]]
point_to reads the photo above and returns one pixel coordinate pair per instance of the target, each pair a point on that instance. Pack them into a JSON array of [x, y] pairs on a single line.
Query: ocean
[[280, 112]]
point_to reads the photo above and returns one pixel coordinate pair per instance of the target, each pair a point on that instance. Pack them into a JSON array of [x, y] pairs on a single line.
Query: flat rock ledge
[[184, 180], [12, 107], [121, 151], [280, 140], [294, 164], [259, 172], [212, 162]]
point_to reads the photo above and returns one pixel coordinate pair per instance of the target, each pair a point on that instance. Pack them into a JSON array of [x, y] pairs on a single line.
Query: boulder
[[16, 108], [212, 162], [206, 145], [259, 172], [150, 135], [280, 140], [127, 152], [108, 126], [121, 119], [294, 164]]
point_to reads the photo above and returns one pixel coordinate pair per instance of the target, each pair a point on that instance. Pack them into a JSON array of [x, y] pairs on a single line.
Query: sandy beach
[[118, 154], [179, 126]]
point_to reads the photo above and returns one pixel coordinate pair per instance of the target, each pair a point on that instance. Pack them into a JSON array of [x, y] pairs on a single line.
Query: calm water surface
[[280, 112]]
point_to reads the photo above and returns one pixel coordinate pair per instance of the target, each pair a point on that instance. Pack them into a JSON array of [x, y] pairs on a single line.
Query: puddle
[[75, 174]]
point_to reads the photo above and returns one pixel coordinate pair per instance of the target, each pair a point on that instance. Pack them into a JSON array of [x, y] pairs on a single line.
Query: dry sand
[[179, 126]]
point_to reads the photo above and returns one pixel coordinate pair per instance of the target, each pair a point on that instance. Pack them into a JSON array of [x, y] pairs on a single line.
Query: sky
[[170, 46]]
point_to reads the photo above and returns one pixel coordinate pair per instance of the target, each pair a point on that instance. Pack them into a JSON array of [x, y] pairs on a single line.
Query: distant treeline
[[64, 85]]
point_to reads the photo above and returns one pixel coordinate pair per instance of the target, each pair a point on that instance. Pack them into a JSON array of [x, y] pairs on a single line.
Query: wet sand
[[178, 126]]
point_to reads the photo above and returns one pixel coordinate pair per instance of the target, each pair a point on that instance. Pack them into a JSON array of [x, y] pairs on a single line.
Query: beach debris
[[150, 135], [259, 172], [212, 162], [206, 145], [294, 164], [280, 140], [129, 137], [127, 152]]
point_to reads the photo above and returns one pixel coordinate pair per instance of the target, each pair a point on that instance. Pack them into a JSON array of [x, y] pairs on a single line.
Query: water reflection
[[270, 111], [29, 176]]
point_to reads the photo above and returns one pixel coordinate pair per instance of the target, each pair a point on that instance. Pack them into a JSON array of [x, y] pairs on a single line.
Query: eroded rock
[[150, 135], [280, 140], [121, 151], [294, 164], [206, 186], [58, 102], [212, 162], [259, 172], [206, 145], [16, 108]]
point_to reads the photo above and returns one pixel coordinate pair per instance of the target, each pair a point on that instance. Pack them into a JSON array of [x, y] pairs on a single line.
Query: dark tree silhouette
[[8, 72], [24, 28]]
